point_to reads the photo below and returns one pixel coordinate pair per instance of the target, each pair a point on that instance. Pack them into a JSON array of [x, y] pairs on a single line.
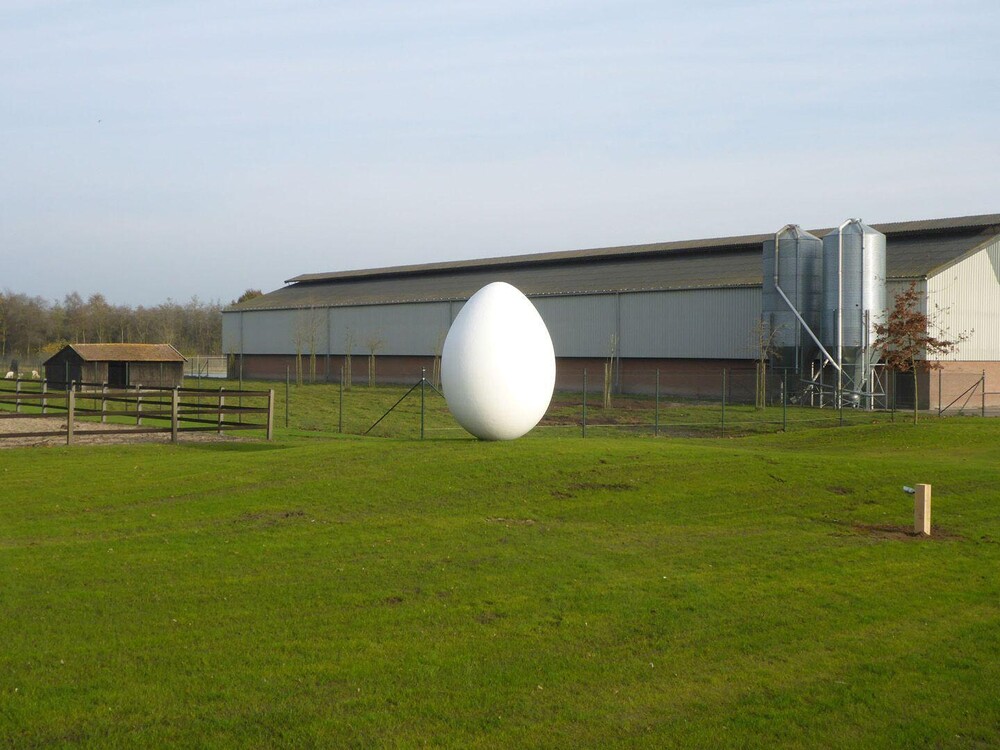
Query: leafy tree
[[248, 295], [905, 341]]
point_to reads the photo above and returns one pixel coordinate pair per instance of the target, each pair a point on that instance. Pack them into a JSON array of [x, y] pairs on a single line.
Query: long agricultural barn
[[682, 312]]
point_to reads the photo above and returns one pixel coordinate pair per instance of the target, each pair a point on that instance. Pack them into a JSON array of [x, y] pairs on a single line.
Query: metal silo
[[792, 295], [853, 302]]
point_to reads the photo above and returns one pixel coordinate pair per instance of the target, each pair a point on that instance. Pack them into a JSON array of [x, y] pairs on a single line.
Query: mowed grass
[[550, 592]]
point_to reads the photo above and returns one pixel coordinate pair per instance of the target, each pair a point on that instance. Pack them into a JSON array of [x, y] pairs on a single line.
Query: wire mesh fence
[[729, 402]]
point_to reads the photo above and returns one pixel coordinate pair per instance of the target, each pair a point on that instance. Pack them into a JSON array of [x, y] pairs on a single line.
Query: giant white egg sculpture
[[498, 367]]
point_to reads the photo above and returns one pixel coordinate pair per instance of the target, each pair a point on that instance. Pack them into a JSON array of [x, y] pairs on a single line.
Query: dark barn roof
[[123, 352], [914, 249]]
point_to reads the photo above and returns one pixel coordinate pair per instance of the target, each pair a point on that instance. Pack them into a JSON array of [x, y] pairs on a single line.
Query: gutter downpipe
[[802, 322]]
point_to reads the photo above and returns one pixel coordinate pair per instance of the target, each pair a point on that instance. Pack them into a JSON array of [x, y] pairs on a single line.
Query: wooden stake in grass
[[922, 510]]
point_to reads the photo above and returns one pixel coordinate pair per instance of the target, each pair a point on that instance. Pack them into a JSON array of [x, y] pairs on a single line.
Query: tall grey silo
[[793, 266], [854, 300]]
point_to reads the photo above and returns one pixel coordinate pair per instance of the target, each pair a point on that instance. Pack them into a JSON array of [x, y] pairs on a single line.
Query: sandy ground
[[11, 427]]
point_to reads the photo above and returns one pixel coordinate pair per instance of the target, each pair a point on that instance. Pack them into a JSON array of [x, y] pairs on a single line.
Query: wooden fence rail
[[173, 410]]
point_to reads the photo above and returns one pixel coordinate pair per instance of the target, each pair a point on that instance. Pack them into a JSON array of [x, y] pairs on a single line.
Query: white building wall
[[965, 299]]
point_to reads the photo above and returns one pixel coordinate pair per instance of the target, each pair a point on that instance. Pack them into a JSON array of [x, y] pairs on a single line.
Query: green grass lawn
[[550, 592]]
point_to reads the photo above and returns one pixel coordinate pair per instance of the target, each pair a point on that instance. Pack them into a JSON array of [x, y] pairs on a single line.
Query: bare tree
[[4, 325], [313, 323], [348, 348], [374, 342], [436, 364], [304, 336], [764, 336], [609, 368]]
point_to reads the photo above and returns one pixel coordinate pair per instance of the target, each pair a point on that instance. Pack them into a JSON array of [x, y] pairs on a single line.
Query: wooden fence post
[[222, 404], [270, 414], [138, 405], [17, 392], [45, 401], [104, 403], [922, 510], [174, 407], [70, 408]]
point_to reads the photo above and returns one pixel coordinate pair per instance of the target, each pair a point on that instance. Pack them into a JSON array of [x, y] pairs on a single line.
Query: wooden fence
[[137, 409]]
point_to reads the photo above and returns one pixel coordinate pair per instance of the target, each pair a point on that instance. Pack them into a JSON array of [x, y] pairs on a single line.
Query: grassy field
[[551, 592]]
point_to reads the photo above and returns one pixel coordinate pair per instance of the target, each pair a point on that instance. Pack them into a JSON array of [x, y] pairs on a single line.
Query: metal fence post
[[939, 392], [840, 404], [70, 409], [784, 402], [340, 404], [983, 384], [584, 424], [893, 381], [288, 393], [656, 408], [423, 380], [724, 374]]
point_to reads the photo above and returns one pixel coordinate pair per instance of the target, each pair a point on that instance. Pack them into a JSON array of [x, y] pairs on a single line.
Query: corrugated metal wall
[[705, 323], [404, 330], [967, 300], [580, 326], [711, 323]]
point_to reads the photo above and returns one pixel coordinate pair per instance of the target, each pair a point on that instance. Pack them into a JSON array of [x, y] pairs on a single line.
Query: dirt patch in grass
[[12, 429], [904, 533], [269, 518], [512, 521], [487, 618], [613, 487]]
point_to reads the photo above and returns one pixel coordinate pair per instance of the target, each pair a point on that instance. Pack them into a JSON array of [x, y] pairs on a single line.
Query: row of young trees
[[32, 328]]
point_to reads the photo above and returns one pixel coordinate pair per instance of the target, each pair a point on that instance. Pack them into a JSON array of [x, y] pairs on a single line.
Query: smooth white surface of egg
[[498, 367]]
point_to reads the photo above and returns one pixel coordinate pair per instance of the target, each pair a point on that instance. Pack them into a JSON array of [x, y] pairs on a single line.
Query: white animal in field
[[9, 375], [34, 374]]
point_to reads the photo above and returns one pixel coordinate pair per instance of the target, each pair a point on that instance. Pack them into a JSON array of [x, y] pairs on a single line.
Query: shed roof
[[124, 352], [914, 249]]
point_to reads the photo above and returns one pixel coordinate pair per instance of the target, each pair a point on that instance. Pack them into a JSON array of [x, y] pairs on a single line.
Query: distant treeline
[[32, 328]]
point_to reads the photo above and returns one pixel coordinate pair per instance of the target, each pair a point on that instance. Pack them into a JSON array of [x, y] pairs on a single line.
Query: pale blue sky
[[170, 149]]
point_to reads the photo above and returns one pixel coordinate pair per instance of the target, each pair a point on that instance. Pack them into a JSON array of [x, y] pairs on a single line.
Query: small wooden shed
[[117, 365]]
